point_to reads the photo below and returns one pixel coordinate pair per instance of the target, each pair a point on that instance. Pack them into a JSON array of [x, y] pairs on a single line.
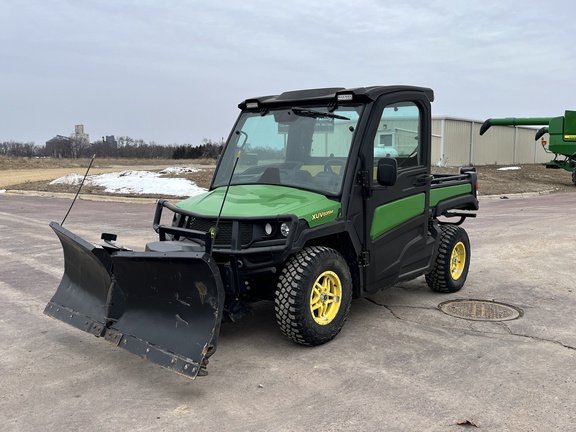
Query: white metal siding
[[457, 142], [436, 141]]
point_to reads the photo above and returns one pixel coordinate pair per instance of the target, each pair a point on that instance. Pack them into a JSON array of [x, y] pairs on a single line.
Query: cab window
[[398, 135]]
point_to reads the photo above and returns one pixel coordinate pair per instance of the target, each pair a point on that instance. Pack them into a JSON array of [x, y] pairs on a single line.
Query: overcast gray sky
[[174, 71]]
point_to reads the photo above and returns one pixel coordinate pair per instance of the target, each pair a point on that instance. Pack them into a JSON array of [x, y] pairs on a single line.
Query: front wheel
[[313, 296], [452, 262]]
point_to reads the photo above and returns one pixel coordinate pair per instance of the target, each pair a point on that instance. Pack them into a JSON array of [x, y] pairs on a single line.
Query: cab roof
[[330, 95]]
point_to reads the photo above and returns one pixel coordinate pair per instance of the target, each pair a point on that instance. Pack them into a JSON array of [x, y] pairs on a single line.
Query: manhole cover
[[480, 310]]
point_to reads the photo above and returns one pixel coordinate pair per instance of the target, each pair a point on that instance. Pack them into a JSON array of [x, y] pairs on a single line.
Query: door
[[396, 217]]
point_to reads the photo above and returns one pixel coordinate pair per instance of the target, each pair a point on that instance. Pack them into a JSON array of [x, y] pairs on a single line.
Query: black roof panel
[[329, 94]]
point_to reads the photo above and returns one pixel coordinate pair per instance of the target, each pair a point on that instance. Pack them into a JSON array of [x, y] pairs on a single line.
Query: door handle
[[423, 179]]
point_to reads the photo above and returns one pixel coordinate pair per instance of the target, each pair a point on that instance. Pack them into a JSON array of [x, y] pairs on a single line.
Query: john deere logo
[[212, 232], [322, 214]]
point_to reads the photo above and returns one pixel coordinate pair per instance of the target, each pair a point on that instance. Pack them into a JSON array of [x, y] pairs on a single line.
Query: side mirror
[[387, 171]]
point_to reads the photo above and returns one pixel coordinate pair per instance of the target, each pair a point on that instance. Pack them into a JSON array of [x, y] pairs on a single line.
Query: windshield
[[306, 148]]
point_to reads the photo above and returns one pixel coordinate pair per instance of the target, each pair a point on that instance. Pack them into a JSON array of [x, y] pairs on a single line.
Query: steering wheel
[[333, 162]]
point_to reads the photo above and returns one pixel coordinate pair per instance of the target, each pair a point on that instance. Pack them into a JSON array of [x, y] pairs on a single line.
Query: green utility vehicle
[[320, 196], [562, 130]]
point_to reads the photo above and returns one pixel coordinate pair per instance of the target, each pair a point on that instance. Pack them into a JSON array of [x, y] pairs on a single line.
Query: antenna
[[78, 192], [211, 236], [215, 232]]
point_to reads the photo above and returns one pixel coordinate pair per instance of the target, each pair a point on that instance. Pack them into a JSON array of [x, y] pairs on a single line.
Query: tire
[[452, 262], [313, 296], [574, 177]]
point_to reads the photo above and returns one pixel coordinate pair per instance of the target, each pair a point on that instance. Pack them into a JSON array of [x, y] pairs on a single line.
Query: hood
[[264, 200]]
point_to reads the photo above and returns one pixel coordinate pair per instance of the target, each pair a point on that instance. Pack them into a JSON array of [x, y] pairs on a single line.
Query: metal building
[[457, 142]]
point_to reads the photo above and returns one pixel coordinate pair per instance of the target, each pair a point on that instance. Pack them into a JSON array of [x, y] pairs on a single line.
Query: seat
[[328, 181], [303, 177], [271, 175]]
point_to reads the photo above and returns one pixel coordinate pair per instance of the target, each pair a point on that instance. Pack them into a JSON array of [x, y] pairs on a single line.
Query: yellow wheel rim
[[458, 260], [326, 297]]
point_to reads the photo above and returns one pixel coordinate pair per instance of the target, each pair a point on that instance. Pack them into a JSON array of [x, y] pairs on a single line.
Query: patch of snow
[[136, 182], [179, 170], [508, 168], [70, 179], [2, 191]]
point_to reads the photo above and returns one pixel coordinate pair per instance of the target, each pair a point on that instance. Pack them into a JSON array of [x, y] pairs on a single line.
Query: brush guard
[[163, 306]]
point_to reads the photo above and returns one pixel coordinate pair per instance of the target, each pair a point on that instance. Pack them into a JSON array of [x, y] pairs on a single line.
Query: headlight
[[268, 229], [285, 229]]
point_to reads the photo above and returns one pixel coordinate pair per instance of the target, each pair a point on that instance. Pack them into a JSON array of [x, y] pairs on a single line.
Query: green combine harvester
[[562, 132]]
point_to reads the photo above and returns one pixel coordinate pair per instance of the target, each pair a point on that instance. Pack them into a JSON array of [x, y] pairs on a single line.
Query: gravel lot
[[399, 364]]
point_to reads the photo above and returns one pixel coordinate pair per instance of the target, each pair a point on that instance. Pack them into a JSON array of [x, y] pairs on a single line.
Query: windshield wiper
[[304, 112]]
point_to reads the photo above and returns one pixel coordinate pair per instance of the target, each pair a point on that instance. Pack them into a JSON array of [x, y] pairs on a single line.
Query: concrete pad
[[399, 364]]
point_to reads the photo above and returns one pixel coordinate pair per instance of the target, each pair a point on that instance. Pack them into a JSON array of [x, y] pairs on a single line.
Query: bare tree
[[18, 149], [78, 146]]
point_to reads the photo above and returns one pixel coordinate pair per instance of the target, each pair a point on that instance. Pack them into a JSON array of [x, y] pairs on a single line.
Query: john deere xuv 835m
[[320, 196]]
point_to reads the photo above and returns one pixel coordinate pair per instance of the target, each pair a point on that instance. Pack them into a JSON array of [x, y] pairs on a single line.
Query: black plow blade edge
[[165, 307], [81, 299], [173, 310]]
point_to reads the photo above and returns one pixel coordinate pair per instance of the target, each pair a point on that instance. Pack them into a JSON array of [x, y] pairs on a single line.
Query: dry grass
[[18, 163], [35, 174], [529, 178]]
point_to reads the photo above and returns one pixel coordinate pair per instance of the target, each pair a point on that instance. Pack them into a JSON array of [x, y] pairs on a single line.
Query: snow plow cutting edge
[[163, 306]]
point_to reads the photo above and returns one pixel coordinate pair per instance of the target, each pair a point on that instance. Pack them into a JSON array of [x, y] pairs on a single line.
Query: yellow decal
[[322, 214], [569, 136]]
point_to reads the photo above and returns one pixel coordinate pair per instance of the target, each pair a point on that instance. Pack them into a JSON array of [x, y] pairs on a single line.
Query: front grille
[[224, 237]]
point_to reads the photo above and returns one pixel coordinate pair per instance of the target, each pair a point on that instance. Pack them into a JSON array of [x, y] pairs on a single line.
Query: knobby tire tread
[[291, 299], [439, 279]]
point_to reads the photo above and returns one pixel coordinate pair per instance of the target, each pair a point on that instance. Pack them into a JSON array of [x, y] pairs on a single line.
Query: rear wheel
[[313, 296], [452, 262]]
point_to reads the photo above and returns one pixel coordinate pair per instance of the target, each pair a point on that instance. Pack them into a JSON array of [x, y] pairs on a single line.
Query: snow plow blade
[[163, 306]]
